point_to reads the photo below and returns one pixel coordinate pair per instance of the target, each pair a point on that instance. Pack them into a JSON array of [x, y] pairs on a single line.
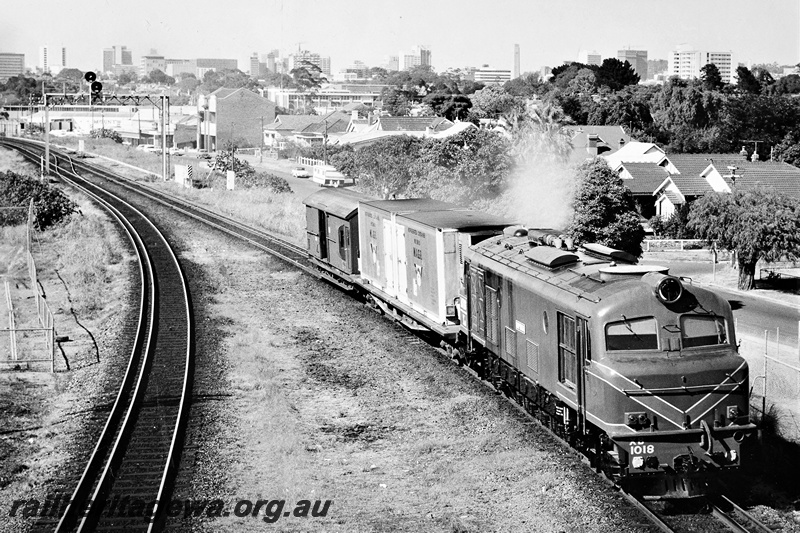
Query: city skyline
[[459, 34]]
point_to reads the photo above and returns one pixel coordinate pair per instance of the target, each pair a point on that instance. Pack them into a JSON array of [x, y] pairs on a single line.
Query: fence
[[45, 319], [670, 245], [309, 162], [774, 360]]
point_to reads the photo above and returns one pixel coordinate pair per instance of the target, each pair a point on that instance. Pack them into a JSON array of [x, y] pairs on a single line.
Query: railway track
[[260, 238], [136, 456], [724, 515]]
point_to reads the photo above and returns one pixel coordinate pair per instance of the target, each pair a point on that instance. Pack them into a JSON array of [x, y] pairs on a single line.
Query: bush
[[50, 205], [103, 133], [246, 175]]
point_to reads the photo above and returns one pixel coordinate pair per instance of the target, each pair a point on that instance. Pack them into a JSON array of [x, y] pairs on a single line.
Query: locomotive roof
[[342, 203], [458, 220], [576, 272]]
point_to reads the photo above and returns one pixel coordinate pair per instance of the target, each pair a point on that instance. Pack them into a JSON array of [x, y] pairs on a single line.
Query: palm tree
[[539, 133]]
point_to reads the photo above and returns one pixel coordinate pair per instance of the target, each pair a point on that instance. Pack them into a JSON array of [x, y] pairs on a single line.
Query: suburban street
[[754, 312]]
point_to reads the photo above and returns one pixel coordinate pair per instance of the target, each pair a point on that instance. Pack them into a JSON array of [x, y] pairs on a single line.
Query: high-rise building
[[271, 60], [150, 63], [52, 59], [516, 61], [392, 63], [590, 58], [687, 64], [490, 76], [116, 55], [254, 65], [323, 63], [637, 59], [417, 56], [176, 67], [11, 65], [108, 59]]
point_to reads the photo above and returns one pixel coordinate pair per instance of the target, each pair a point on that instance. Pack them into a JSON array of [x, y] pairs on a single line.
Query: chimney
[[621, 142], [591, 144], [354, 114], [428, 131]]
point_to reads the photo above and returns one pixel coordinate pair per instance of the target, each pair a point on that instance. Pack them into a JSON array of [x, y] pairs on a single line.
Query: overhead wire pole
[[46, 134]]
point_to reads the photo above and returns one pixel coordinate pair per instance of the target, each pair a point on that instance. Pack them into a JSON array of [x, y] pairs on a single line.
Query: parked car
[[301, 172]]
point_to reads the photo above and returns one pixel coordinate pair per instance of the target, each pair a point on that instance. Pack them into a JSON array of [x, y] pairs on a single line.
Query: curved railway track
[[724, 514], [137, 454]]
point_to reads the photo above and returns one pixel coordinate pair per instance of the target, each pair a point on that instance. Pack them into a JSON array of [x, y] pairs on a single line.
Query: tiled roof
[[224, 92], [782, 177], [337, 125], [646, 177], [695, 163], [414, 123], [674, 198], [292, 122]]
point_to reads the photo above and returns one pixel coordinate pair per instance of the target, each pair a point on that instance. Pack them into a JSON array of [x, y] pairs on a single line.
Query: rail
[[142, 440]]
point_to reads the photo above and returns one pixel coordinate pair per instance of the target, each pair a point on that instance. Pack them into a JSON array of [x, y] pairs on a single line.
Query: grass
[[120, 152], [85, 254], [279, 212], [282, 213]]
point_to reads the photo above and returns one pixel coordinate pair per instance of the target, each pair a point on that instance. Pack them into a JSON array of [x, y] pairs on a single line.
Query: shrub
[[50, 205], [104, 133]]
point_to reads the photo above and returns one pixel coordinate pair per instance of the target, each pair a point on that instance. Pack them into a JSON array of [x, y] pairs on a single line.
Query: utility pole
[[261, 152], [325, 144], [46, 134]]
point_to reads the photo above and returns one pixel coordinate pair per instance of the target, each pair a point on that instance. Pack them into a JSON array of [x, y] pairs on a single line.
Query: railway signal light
[[96, 86]]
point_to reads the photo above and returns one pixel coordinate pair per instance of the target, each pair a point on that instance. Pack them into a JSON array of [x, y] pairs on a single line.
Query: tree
[[386, 167], [748, 83], [127, 77], [788, 150], [157, 76], [528, 85], [308, 76], [539, 135], [757, 224], [616, 74], [494, 102], [605, 211], [711, 78], [50, 205], [789, 84], [462, 169], [71, 74]]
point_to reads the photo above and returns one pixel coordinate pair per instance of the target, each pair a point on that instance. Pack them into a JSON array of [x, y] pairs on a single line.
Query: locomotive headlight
[[637, 420], [637, 462], [669, 290]]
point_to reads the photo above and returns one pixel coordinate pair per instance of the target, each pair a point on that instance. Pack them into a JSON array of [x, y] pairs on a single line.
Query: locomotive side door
[[584, 355], [477, 309]]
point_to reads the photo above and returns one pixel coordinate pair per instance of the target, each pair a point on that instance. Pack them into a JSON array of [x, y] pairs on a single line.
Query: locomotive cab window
[[703, 330], [632, 334]]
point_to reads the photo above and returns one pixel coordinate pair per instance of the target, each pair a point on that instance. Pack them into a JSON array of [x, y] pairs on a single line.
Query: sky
[[459, 33]]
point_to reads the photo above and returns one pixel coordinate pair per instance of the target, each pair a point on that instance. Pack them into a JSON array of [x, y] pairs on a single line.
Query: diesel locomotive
[[636, 368]]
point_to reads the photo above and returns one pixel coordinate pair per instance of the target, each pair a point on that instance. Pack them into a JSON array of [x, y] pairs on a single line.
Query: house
[[232, 115], [591, 141], [306, 129], [359, 134], [721, 173], [642, 179], [640, 152]]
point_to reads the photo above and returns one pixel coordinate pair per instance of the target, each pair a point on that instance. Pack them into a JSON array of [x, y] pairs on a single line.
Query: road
[[754, 314]]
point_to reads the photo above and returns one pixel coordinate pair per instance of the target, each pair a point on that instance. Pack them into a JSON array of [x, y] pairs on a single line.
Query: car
[[300, 172]]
